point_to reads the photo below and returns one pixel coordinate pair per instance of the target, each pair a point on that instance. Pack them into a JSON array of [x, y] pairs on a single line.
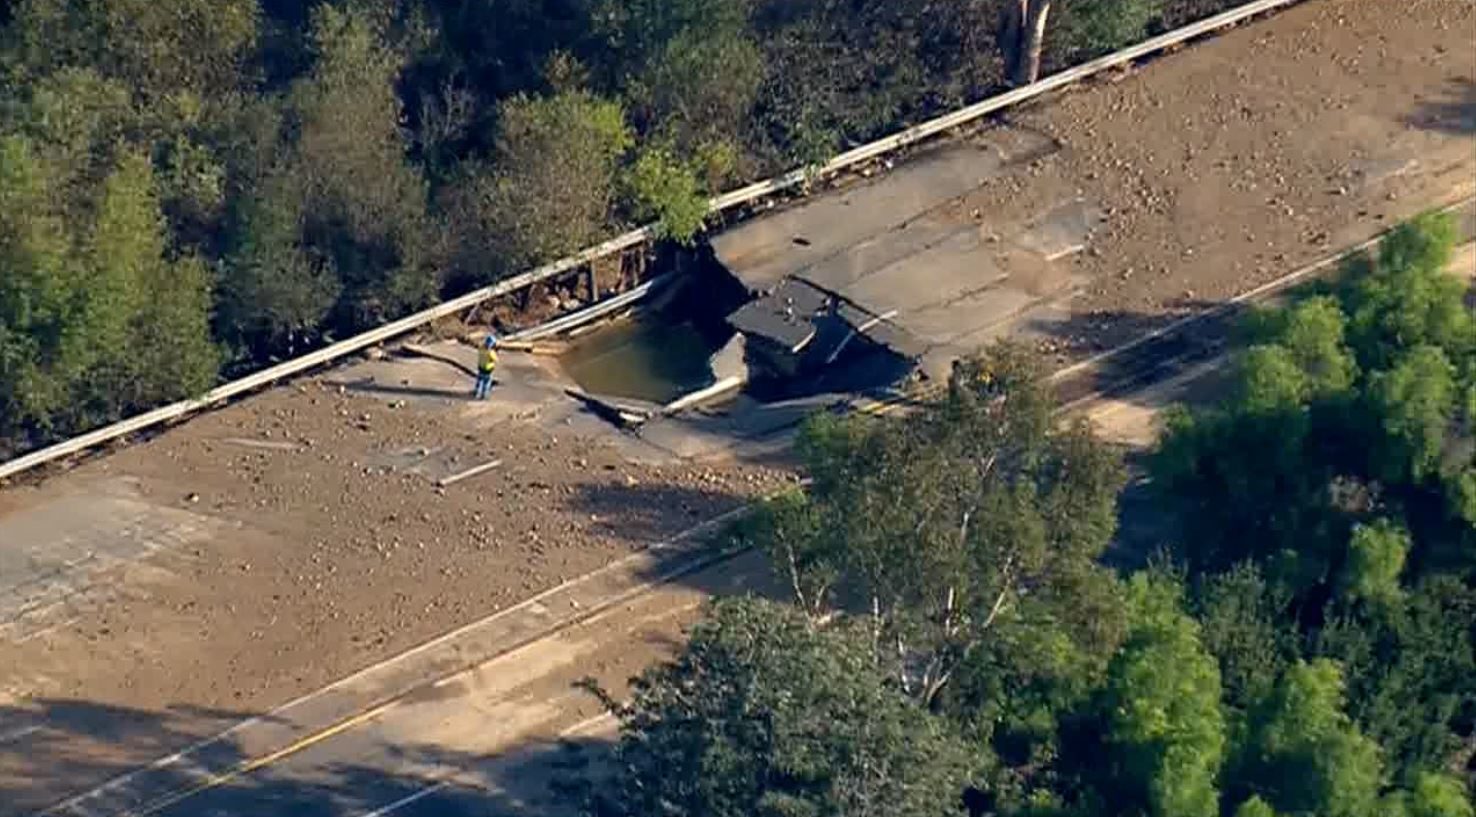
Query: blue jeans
[[484, 385]]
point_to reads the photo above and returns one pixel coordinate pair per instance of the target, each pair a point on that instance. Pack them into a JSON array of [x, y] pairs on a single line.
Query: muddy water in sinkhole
[[644, 358]]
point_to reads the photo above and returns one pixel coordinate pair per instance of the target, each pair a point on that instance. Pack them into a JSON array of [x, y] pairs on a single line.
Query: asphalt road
[[495, 739]]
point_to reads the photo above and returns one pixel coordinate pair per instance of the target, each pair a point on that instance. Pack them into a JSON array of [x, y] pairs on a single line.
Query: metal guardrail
[[598, 310], [726, 201]]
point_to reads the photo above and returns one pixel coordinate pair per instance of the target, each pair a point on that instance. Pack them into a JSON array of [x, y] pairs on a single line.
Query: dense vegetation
[[198, 184], [952, 643]]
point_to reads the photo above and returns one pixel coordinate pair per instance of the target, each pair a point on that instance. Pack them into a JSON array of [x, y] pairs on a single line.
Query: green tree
[[168, 48], [663, 190], [77, 121], [949, 520], [365, 206], [90, 78], [277, 291], [1243, 485], [790, 529], [1415, 403], [467, 58], [1255, 807], [1433, 795], [637, 31], [146, 315], [1376, 557], [1348, 408], [1403, 298], [1301, 752], [690, 68], [1243, 624], [95, 319], [1090, 28], [1312, 334], [765, 715], [1165, 730], [1411, 671], [1250, 475], [1461, 493], [40, 350], [1025, 691], [552, 189], [158, 49], [1271, 380], [1438, 795], [837, 71], [970, 534]]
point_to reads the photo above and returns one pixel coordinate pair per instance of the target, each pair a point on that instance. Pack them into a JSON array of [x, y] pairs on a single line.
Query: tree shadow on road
[[53, 750], [51, 747], [1454, 112], [546, 779], [1164, 345]]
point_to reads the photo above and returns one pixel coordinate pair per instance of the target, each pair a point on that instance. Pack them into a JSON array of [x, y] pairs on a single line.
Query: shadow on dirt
[[651, 512], [368, 385], [51, 750]]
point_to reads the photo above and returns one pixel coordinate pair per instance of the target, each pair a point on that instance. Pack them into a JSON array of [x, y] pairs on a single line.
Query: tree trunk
[[1022, 36], [1032, 37], [1009, 36]]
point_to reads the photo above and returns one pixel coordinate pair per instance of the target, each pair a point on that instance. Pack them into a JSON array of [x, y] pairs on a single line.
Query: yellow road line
[[248, 766], [605, 612]]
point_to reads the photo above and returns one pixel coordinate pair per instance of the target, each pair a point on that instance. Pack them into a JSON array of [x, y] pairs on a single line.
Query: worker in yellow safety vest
[[486, 364]]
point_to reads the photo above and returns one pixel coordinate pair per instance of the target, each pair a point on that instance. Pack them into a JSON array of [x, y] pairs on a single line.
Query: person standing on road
[[486, 364]]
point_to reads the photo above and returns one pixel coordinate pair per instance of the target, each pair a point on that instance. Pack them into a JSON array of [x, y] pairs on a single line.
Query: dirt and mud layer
[[1232, 162], [268, 548], [302, 534]]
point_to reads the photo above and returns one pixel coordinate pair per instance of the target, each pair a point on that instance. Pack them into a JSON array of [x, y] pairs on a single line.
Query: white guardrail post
[[726, 201]]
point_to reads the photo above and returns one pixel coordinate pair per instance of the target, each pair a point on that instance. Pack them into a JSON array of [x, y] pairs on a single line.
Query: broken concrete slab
[[730, 361], [786, 317], [944, 272], [763, 251], [58, 550], [1062, 231], [620, 411], [898, 249]]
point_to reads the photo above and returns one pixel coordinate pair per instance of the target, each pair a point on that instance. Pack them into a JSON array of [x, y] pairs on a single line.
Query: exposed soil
[[337, 547], [1222, 166]]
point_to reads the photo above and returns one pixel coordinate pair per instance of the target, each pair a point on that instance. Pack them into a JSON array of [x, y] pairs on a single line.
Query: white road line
[[588, 725], [16, 734], [405, 801]]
